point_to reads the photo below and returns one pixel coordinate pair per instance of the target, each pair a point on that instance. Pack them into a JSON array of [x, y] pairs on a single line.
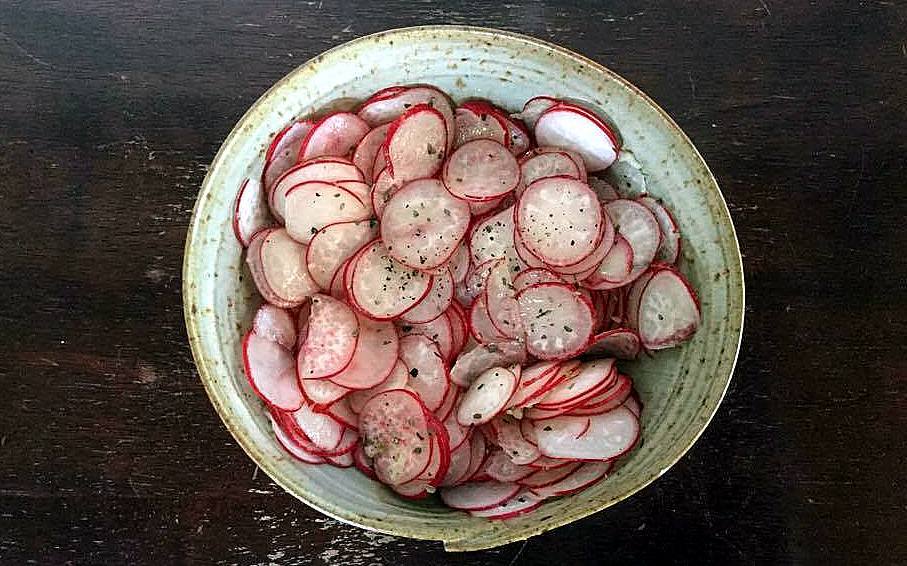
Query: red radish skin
[[520, 504], [481, 170], [289, 443]]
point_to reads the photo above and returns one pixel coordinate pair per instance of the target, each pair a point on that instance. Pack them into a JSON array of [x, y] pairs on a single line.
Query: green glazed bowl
[[681, 388]]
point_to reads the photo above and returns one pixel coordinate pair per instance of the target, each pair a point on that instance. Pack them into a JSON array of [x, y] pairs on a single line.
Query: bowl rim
[[206, 372]]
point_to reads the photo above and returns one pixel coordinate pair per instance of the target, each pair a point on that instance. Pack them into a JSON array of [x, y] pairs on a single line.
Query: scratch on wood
[[765, 7], [519, 553], [23, 51]]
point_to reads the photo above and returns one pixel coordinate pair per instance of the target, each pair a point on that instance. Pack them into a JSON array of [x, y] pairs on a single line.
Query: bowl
[[681, 388]]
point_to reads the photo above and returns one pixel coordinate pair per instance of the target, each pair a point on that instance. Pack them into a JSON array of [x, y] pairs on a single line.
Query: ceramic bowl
[[681, 388]]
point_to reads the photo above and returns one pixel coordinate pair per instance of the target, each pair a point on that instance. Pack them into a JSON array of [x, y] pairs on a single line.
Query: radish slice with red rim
[[633, 404], [545, 477], [459, 328], [460, 458], [669, 250], [334, 135], [559, 220], [389, 107], [592, 377], [284, 151], [502, 306], [588, 266], [478, 496], [613, 397], [323, 169], [583, 477], [323, 430], [382, 190], [269, 368], [533, 382], [322, 391], [487, 396], [558, 320], [623, 343], [534, 276], [474, 285], [484, 357], [289, 442], [423, 224], [313, 205], [639, 226], [614, 270], [435, 302], [510, 438], [518, 138], [492, 238], [375, 356], [439, 331], [277, 263], [427, 370], [275, 324], [333, 245], [521, 503], [250, 212], [603, 189], [472, 125], [500, 467], [398, 379], [535, 107], [597, 437], [416, 142], [457, 433], [363, 463], [569, 127], [459, 263], [395, 434], [341, 412], [548, 164], [331, 339], [480, 325], [668, 311], [481, 170], [368, 149], [382, 287], [342, 461]]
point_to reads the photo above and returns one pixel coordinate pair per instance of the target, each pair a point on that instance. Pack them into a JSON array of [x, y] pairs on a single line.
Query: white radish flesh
[[487, 396], [597, 437], [478, 496], [324, 169], [277, 263], [313, 205], [669, 250], [397, 379], [638, 225], [566, 126], [332, 245], [331, 339], [474, 126], [270, 370], [375, 356], [284, 151], [427, 370], [558, 321], [382, 287], [614, 270], [275, 324], [668, 310], [250, 212], [395, 435], [334, 135], [416, 142], [481, 170]]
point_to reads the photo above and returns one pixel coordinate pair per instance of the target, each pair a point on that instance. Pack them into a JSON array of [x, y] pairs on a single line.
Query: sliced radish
[[322, 392], [592, 377], [500, 467], [275, 324], [383, 288], [459, 263], [289, 442], [502, 306], [302, 323], [521, 503], [478, 496], [510, 438], [395, 434], [474, 285], [603, 189], [668, 311], [460, 459], [487, 396], [545, 477], [549, 164], [374, 358], [363, 463], [481, 170], [457, 433], [623, 343], [341, 412], [633, 404], [627, 177], [397, 379], [492, 238], [277, 263], [427, 370], [518, 138], [269, 368], [558, 320], [391, 106], [566, 126], [474, 126], [342, 461], [533, 382], [362, 191], [382, 190], [583, 477], [422, 224], [416, 142], [250, 213], [438, 330], [459, 328], [640, 228], [669, 250], [334, 135], [368, 149], [615, 268], [480, 325], [313, 205], [324, 169], [284, 151], [331, 339], [534, 276], [615, 396], [323, 430], [597, 437], [482, 358], [534, 108], [559, 220], [588, 266], [334, 244]]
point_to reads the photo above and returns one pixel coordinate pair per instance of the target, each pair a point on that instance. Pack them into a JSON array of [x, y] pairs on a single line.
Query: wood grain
[[110, 452]]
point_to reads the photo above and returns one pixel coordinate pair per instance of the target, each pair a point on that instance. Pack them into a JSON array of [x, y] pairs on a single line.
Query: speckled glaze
[[681, 388]]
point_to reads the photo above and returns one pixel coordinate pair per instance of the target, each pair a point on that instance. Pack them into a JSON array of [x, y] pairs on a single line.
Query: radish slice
[[548, 164], [290, 443], [472, 125], [322, 392], [585, 476], [558, 320], [583, 269], [482, 358], [518, 138], [550, 476], [323, 430], [277, 263], [638, 225], [383, 288], [341, 412], [457, 433], [422, 224], [626, 176], [593, 377], [342, 461], [613, 397], [603, 437], [416, 142], [569, 127], [427, 371], [276, 325], [503, 309], [500, 468], [324, 169], [623, 343], [363, 463], [333, 245], [395, 434], [510, 438], [250, 213], [283, 151], [388, 108], [374, 358], [313, 205], [382, 190], [439, 331], [533, 383], [480, 325], [459, 263], [668, 311], [334, 135], [331, 340], [492, 238], [478, 496], [459, 329], [669, 250], [534, 108], [603, 189], [486, 397], [521, 503], [559, 220], [481, 170], [397, 379], [459, 465], [633, 404], [368, 149], [534, 276], [269, 368], [614, 270]]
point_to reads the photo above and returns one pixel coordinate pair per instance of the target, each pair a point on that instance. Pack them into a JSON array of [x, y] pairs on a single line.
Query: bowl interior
[[681, 388]]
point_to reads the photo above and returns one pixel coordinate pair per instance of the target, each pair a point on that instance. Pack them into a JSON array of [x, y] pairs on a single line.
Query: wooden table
[[110, 452]]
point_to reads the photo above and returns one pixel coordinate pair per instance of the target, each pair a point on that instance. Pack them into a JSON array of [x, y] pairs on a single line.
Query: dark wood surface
[[110, 452]]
